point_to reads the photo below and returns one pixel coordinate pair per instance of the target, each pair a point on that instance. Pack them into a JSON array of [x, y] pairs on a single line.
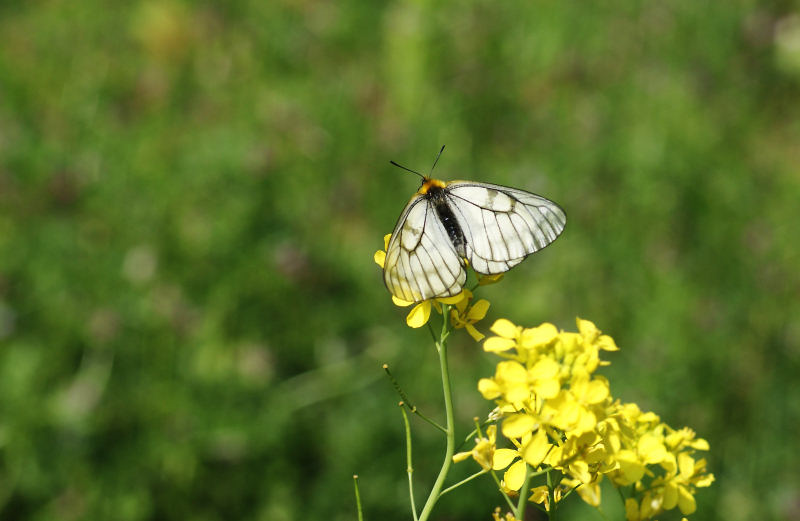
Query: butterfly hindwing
[[421, 261], [502, 225]]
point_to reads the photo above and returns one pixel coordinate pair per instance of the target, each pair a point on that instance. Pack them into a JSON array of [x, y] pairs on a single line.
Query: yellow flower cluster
[[559, 415]]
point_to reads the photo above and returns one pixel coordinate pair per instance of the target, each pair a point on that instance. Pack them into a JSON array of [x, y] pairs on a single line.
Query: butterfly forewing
[[421, 261]]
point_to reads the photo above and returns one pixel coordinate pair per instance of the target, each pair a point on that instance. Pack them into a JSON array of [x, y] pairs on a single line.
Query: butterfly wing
[[502, 225], [421, 261]]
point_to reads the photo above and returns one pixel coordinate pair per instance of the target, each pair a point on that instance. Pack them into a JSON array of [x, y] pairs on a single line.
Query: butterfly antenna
[[437, 160], [407, 169]]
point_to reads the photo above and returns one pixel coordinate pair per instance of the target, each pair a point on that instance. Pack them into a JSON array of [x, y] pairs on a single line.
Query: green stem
[[523, 494], [441, 347], [426, 419], [358, 498], [621, 495], [551, 491], [411, 407], [409, 466], [502, 492], [465, 480]]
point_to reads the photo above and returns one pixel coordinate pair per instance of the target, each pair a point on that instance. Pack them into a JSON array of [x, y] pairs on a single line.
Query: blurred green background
[[191, 322]]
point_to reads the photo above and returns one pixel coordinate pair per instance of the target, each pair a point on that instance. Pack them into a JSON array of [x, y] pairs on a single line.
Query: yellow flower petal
[[588, 330], [536, 449], [400, 302], [474, 333], [516, 425], [498, 344], [455, 299], [419, 314], [704, 481], [686, 501], [548, 388], [504, 328], [630, 466], [380, 258], [563, 410], [596, 392], [586, 421], [517, 393], [515, 475], [539, 336], [484, 280], [544, 368], [461, 456], [540, 494], [503, 458], [478, 310], [606, 343], [686, 465], [651, 448], [489, 388], [670, 496], [510, 371], [386, 241], [590, 493]]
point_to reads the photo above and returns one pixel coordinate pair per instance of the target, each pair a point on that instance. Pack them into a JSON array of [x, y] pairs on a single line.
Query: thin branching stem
[[414, 410], [358, 498], [503, 492], [409, 465], [465, 480], [441, 347], [407, 402], [551, 492]]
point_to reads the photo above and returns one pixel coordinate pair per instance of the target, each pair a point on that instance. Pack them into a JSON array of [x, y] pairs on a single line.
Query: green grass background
[[191, 323]]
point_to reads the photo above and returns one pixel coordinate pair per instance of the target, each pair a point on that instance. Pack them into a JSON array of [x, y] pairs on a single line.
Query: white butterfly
[[494, 227]]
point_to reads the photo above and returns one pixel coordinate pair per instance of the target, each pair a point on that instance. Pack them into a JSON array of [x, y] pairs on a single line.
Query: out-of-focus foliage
[[191, 322]]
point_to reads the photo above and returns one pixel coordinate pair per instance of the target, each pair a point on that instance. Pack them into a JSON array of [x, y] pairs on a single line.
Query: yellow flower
[[508, 517], [543, 378], [541, 495], [565, 412], [484, 450], [489, 457], [421, 312], [530, 450], [685, 437], [538, 337], [676, 488], [506, 339], [526, 341], [380, 255], [465, 315], [589, 492]]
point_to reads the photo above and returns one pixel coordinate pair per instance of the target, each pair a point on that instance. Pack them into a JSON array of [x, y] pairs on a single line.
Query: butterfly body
[[436, 196], [445, 224]]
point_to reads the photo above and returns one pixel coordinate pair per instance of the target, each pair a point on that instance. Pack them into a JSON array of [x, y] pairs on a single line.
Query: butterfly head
[[429, 184]]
